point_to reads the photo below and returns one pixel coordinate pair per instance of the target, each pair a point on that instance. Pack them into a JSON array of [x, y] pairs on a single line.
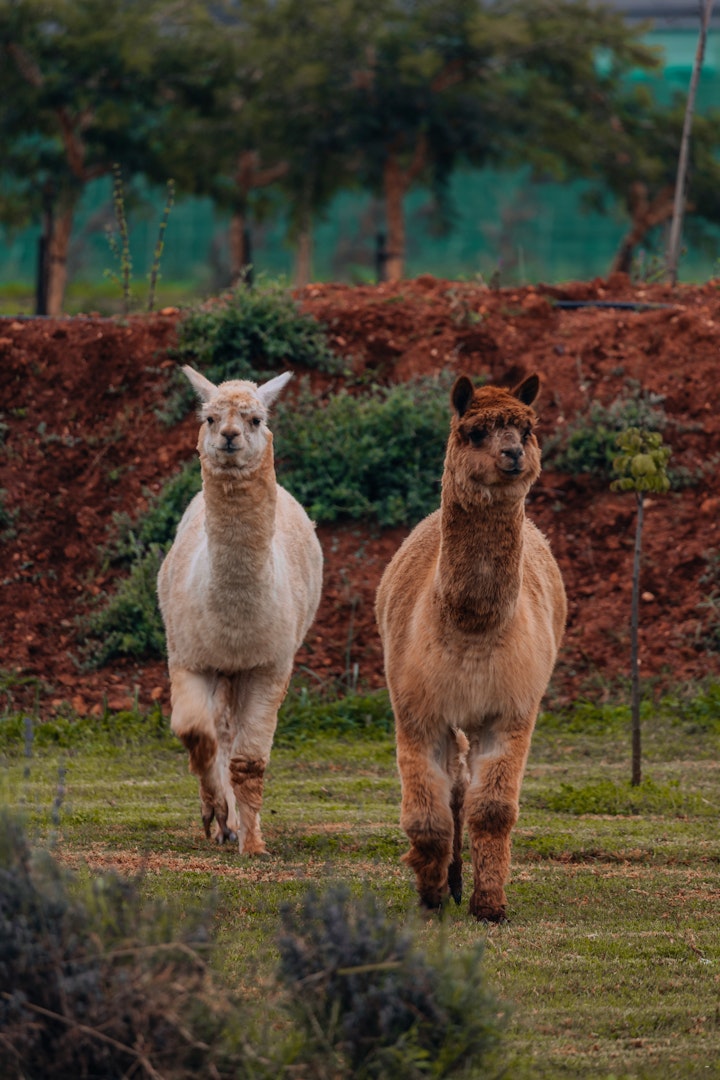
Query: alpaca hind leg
[[426, 817], [193, 708], [460, 776], [492, 808], [260, 697]]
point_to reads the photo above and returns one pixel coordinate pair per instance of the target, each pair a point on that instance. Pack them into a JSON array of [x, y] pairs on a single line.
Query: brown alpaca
[[471, 611]]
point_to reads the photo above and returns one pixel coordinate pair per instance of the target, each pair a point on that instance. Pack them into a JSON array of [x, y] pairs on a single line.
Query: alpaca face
[[234, 432], [492, 448]]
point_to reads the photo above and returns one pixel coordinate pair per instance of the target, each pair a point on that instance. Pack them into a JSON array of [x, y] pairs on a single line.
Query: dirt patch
[[83, 443]]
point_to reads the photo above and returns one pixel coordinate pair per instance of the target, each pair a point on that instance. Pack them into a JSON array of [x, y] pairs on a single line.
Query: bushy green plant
[[251, 332], [587, 444], [377, 456], [700, 714], [305, 715], [129, 623], [157, 525], [371, 1004], [125, 728], [609, 797]]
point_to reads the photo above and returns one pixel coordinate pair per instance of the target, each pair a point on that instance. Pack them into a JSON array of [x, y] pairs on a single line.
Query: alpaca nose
[[514, 453], [229, 433]]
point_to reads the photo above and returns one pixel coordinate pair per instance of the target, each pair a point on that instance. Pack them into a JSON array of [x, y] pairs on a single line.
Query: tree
[[637, 168], [640, 466], [80, 89], [306, 54], [468, 82], [270, 130]]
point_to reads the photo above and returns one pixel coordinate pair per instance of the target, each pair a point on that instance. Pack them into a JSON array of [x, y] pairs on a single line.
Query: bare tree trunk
[[673, 254], [238, 249], [645, 214], [57, 255], [41, 283], [303, 257], [395, 186], [634, 646]]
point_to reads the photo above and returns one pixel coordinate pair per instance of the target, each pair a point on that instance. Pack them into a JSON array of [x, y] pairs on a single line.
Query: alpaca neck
[[240, 523], [480, 563]]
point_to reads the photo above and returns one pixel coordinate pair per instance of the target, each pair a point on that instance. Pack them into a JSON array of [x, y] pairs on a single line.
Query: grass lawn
[[610, 963]]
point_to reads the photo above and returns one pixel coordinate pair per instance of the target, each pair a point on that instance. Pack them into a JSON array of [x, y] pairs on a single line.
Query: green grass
[[101, 297], [611, 960]]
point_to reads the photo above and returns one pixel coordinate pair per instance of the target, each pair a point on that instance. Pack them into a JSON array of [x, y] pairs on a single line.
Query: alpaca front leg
[[263, 693], [193, 721], [492, 804], [426, 817]]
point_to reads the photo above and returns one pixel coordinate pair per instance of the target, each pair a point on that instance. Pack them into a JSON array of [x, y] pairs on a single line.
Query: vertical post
[[247, 269], [634, 645], [43, 255], [673, 252], [381, 257]]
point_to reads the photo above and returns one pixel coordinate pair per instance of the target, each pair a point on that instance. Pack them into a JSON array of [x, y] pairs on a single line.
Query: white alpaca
[[238, 591]]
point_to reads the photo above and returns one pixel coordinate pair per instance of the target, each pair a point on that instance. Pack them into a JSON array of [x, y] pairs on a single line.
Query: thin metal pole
[[634, 646], [673, 252]]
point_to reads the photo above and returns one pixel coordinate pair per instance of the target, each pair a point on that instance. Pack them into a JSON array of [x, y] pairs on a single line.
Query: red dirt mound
[[81, 442]]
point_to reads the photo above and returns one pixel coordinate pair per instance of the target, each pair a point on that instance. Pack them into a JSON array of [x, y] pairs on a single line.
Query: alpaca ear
[[528, 389], [204, 389], [462, 395], [270, 390]]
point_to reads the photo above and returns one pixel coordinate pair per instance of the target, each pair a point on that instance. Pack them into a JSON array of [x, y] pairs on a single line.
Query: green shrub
[[249, 333], [129, 622], [377, 456], [699, 714], [371, 1004], [123, 729], [587, 444], [158, 524], [305, 716], [609, 797]]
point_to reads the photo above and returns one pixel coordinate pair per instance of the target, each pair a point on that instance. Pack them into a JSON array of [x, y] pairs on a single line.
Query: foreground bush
[[94, 983], [370, 1004]]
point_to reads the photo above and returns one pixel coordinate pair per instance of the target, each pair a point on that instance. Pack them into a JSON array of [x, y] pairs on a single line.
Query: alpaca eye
[[478, 436], [526, 434], [211, 420], [256, 421]]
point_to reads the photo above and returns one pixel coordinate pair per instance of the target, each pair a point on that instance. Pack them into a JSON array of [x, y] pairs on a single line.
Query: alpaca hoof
[[256, 850], [455, 883], [226, 836], [432, 903], [486, 914]]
